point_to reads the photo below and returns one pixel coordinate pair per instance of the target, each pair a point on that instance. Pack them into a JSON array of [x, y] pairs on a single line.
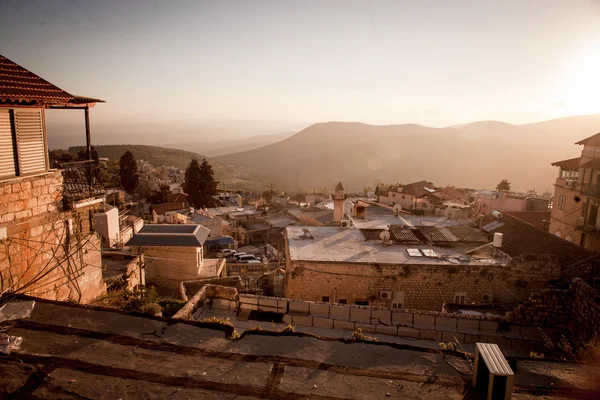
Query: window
[[460, 298], [362, 302], [325, 299], [398, 300], [414, 252], [22, 142], [343, 301], [561, 202], [393, 195]]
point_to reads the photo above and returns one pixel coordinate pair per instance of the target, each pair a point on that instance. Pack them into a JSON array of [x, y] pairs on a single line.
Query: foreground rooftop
[[74, 352]]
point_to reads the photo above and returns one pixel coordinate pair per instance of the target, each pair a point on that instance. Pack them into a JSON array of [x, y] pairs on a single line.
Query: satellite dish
[[397, 208], [384, 235]]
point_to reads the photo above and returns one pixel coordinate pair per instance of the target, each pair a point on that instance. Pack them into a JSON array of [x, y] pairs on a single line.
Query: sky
[[435, 63]]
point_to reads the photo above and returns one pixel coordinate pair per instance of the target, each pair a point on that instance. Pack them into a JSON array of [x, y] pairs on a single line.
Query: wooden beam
[[88, 137]]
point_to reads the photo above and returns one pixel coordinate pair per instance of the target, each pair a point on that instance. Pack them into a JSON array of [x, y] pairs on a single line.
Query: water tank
[[498, 240], [497, 214]]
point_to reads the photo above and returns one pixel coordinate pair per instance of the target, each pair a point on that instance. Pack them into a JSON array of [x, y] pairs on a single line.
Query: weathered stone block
[[424, 322], [39, 210], [360, 314], [282, 305], [23, 214], [39, 182], [25, 185], [221, 304], [15, 206], [445, 324], [428, 334], [447, 336], [319, 322], [522, 345], [298, 307], [302, 320], [339, 324], [287, 318], [386, 330], [16, 187], [31, 203], [36, 231], [503, 343], [472, 338], [339, 312], [470, 326], [264, 303], [512, 333], [317, 309], [489, 327], [408, 332], [247, 306], [402, 318], [365, 327], [384, 316], [245, 299]]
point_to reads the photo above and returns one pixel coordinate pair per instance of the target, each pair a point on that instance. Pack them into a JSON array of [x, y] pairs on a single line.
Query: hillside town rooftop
[[346, 245]]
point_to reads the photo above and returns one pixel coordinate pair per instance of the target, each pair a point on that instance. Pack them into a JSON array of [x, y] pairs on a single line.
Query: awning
[[220, 241], [572, 163]]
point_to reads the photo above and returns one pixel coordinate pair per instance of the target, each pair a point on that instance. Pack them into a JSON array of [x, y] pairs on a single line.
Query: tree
[[267, 195], [159, 196], [200, 184], [82, 155], [503, 185], [128, 171], [377, 191]]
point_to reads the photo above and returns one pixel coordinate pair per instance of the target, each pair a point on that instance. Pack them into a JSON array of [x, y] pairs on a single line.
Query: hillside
[[473, 155], [221, 147], [158, 156]]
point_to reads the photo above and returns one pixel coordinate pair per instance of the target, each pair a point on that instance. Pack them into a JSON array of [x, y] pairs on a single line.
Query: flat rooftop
[[74, 352], [348, 245]]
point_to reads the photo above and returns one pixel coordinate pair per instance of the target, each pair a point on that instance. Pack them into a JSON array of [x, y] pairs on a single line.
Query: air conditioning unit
[[492, 376], [487, 297], [346, 223], [385, 294]]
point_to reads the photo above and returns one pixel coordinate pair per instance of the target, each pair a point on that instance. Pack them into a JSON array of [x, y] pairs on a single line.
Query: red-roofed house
[[49, 246]]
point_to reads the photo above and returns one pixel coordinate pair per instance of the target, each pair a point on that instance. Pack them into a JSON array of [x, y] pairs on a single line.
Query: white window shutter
[[7, 149], [30, 141]]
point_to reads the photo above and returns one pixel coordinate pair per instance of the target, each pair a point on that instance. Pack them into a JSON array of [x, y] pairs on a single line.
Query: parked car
[[237, 255], [228, 252], [253, 262]]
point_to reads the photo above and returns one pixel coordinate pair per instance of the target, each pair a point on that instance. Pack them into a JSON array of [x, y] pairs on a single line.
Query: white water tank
[[498, 240], [497, 214]]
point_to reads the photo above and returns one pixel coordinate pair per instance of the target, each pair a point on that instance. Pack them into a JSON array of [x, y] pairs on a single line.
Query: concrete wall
[[133, 225], [221, 295], [424, 287], [40, 244]]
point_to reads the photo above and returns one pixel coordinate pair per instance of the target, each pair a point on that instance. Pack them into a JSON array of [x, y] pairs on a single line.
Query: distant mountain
[[473, 155], [221, 147]]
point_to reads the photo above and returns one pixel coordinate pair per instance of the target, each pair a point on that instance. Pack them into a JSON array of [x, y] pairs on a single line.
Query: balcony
[[81, 182], [591, 189], [567, 183]]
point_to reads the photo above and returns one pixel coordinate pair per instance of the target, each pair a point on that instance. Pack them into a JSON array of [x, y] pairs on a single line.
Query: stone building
[[418, 268], [48, 246], [174, 253], [576, 198]]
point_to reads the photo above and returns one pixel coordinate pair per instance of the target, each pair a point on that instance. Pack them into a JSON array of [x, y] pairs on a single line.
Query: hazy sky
[[431, 62]]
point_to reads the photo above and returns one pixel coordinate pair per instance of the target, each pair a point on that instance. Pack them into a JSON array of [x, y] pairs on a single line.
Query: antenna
[[384, 236]]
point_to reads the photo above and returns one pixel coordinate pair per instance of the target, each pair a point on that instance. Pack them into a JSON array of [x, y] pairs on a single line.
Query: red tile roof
[[177, 198], [539, 219], [160, 209], [18, 84]]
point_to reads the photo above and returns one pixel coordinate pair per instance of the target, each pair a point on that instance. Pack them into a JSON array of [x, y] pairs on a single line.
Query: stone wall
[[47, 252], [585, 306], [193, 286], [425, 287], [546, 308], [413, 324]]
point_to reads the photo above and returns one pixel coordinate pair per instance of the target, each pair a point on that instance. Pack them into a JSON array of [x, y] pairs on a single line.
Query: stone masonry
[[44, 254]]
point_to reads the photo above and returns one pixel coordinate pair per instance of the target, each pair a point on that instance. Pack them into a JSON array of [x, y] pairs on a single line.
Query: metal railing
[[81, 181]]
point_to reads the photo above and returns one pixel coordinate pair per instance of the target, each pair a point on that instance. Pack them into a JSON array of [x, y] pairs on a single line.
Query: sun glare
[[583, 86]]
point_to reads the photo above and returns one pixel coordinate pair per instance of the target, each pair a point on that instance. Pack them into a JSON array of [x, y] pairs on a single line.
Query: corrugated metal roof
[[436, 235], [170, 236], [402, 233]]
